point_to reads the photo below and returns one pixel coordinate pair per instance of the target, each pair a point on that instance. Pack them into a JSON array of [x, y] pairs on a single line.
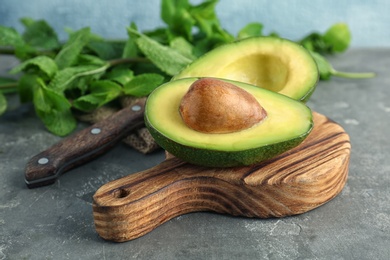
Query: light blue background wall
[[369, 20]]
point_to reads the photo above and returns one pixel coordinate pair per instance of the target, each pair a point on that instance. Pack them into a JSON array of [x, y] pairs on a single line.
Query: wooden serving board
[[292, 183]]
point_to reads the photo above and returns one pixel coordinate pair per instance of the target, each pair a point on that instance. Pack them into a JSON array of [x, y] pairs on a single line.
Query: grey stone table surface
[[56, 222]]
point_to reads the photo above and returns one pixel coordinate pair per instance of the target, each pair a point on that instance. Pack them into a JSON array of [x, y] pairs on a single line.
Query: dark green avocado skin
[[215, 158], [309, 93]]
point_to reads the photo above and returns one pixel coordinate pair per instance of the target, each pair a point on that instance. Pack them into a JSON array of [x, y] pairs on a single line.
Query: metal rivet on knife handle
[[136, 108], [43, 160], [96, 131], [47, 166]]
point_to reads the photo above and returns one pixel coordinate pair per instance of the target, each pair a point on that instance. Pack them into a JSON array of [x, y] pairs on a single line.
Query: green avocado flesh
[[272, 63], [287, 124]]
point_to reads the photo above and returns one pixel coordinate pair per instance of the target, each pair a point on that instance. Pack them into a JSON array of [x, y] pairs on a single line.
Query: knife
[[83, 146]]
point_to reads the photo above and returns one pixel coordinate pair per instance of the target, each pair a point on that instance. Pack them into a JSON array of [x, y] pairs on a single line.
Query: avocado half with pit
[[284, 125], [272, 63]]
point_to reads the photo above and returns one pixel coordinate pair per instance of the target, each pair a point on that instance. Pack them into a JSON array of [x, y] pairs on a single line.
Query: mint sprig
[[87, 71], [326, 70], [3, 103], [335, 40]]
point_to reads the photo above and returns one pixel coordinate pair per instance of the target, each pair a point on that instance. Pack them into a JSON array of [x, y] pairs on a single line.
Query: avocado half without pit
[[272, 63], [223, 123]]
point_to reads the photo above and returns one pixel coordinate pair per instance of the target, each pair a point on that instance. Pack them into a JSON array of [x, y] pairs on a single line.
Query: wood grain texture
[[292, 183]]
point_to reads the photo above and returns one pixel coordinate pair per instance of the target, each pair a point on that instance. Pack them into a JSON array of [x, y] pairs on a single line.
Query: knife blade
[[44, 168]]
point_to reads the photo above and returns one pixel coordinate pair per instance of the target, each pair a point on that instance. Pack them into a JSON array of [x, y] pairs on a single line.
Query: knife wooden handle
[[45, 167], [292, 183]]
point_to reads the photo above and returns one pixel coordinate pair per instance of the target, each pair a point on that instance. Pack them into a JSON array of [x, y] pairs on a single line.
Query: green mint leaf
[[175, 13], [60, 123], [42, 63], [324, 67], [106, 50], [86, 59], [183, 47], [92, 36], [25, 52], [307, 44], [40, 34], [143, 84], [102, 92], [51, 99], [120, 75], [88, 102], [204, 45], [250, 30], [315, 42], [161, 35], [274, 34], [39, 98], [10, 37], [27, 21], [131, 50], [72, 48], [336, 39], [53, 109], [63, 79], [26, 86], [208, 22], [165, 58], [3, 103], [109, 88], [338, 36]]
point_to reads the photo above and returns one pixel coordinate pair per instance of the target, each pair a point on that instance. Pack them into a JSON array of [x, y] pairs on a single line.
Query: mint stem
[[8, 85], [7, 51], [127, 60], [351, 75], [12, 51]]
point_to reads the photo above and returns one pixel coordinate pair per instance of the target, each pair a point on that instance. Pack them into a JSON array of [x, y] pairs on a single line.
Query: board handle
[[134, 205], [292, 183]]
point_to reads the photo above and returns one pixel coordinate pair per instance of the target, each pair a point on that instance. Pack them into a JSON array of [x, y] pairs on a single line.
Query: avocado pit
[[216, 107]]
